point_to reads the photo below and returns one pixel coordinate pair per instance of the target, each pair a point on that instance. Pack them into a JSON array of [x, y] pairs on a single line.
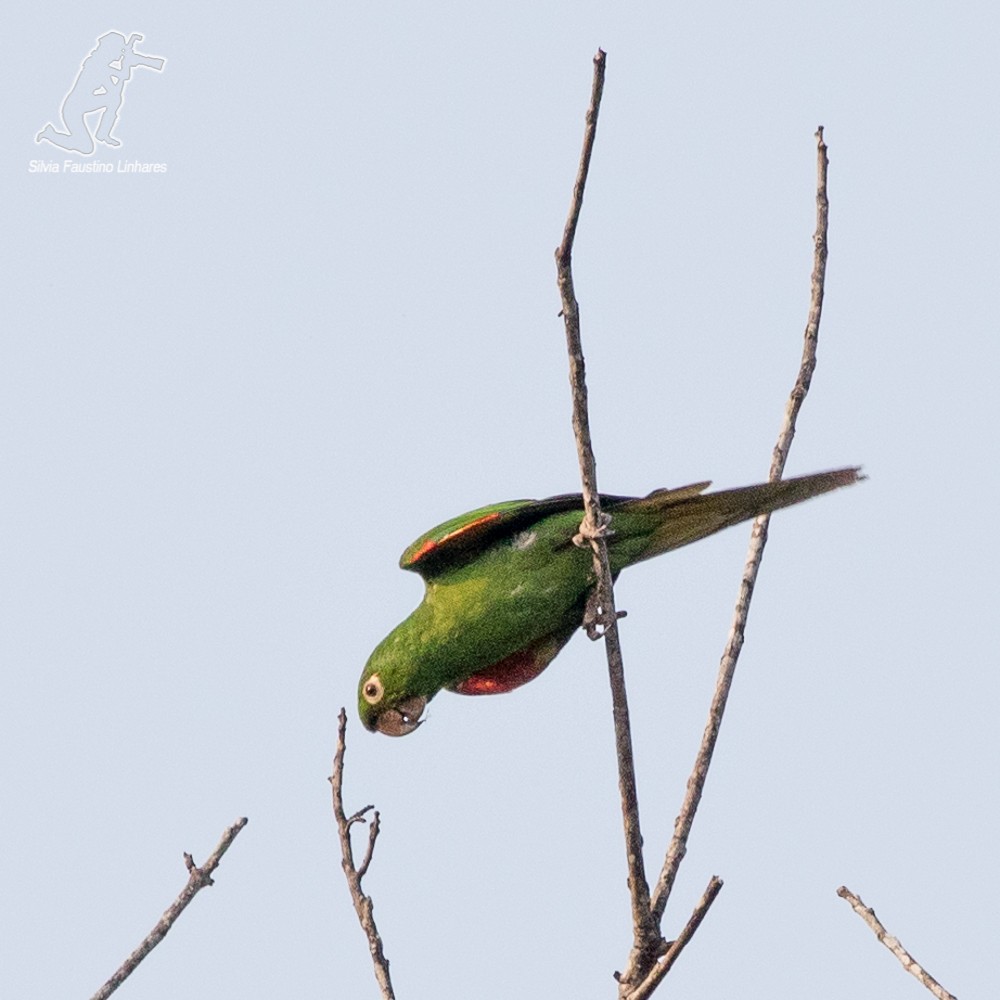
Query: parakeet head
[[386, 701], [397, 719]]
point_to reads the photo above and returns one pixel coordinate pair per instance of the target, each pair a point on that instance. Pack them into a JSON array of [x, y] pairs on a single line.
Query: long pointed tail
[[678, 517]]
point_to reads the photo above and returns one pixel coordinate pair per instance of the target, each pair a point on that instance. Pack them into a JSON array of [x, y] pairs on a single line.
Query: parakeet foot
[[584, 536]]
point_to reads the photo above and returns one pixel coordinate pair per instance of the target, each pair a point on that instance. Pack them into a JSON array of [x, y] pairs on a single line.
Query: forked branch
[[650, 959], [363, 905]]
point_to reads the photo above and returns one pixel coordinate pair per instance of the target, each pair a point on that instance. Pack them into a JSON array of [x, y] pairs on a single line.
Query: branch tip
[[908, 962]]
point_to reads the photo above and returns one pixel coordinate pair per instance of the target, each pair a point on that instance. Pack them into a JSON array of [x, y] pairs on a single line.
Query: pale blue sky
[[232, 394]]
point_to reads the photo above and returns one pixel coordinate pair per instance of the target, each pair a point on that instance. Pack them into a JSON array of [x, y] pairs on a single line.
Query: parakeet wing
[[461, 539]]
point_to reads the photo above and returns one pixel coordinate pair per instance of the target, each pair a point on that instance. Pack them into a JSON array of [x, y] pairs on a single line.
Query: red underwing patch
[[506, 675]]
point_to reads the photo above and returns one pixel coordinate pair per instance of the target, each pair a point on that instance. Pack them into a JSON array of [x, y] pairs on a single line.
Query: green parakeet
[[506, 587]]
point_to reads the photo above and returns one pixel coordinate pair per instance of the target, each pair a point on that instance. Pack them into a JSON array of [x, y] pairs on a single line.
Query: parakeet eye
[[373, 690]]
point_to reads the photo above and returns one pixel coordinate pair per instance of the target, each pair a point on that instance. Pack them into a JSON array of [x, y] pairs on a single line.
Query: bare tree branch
[[198, 878], [643, 972], [758, 539], [601, 610], [363, 905], [909, 963]]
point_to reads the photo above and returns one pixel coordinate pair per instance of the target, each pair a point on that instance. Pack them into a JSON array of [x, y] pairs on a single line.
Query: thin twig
[[663, 966], [909, 963], [198, 878], [811, 337], [758, 539], [363, 905], [594, 529]]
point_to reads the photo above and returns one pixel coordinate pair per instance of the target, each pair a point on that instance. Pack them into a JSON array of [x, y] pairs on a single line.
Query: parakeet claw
[[403, 718], [595, 621]]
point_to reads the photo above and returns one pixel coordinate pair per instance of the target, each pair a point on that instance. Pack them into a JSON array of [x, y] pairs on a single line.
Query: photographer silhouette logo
[[98, 90]]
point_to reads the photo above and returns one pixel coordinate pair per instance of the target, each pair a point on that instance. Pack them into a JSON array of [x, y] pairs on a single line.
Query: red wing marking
[[432, 543], [422, 551]]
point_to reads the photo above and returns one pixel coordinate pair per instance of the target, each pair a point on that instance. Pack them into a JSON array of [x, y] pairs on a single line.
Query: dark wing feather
[[463, 538]]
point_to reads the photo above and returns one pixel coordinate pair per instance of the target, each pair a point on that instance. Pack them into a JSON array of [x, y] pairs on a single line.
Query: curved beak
[[403, 718]]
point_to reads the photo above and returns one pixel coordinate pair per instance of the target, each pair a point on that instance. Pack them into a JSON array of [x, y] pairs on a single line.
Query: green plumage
[[506, 587]]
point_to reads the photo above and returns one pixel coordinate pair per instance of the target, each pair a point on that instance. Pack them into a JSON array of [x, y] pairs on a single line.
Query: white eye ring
[[372, 690]]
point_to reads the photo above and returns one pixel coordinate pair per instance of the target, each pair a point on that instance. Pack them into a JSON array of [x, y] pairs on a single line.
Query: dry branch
[[198, 878], [601, 610], [909, 963], [758, 539], [363, 905], [643, 971]]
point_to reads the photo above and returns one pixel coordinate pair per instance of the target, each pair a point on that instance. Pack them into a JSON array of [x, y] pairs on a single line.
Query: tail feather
[[688, 514]]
